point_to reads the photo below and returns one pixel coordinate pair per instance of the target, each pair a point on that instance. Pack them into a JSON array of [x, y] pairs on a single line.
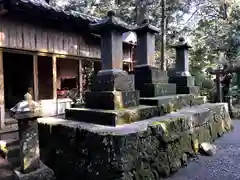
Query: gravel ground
[[224, 165]]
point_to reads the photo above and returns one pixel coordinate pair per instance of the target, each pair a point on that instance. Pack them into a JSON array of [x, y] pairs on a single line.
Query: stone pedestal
[[152, 82]]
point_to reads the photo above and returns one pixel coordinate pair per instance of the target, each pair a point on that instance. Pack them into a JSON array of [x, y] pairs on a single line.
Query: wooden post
[[80, 78], [2, 109], [54, 70], [35, 77], [219, 88]]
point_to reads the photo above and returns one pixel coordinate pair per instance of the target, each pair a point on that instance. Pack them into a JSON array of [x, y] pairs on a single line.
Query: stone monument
[[113, 99], [149, 79], [183, 79], [26, 112]]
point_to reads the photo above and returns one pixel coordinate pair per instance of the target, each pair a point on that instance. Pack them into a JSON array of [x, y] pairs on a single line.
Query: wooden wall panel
[[19, 36], [51, 41], [12, 35], [29, 37], [5, 31], [41, 39], [25, 36]]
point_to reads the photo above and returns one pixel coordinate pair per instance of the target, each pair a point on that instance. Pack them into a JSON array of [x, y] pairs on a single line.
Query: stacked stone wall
[[149, 149]]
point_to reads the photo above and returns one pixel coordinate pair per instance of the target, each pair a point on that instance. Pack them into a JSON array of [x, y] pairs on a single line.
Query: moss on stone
[[174, 152], [149, 149]]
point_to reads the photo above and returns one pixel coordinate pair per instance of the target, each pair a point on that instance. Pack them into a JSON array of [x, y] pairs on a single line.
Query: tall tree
[[134, 11]]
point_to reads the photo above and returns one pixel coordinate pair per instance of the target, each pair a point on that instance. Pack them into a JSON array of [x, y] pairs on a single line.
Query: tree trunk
[[163, 36]]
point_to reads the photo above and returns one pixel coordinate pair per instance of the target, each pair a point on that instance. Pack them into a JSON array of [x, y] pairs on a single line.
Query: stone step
[[112, 117], [158, 89], [167, 104]]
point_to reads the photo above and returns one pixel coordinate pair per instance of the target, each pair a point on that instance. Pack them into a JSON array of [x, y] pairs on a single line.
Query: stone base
[[150, 75], [112, 80], [111, 117], [153, 90], [149, 149], [188, 90], [111, 100], [43, 173], [183, 80]]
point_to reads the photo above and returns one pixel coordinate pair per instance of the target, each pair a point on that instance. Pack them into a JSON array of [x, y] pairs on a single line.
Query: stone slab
[[112, 117], [159, 89], [169, 103], [111, 100]]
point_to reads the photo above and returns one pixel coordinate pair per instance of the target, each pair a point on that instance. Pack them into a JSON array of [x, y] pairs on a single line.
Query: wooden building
[[46, 49]]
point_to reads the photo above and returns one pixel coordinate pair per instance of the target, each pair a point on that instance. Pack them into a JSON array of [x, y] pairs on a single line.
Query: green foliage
[[134, 11], [211, 26]]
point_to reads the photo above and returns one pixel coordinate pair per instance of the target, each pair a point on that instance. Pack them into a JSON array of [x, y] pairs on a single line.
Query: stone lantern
[[183, 79], [27, 112]]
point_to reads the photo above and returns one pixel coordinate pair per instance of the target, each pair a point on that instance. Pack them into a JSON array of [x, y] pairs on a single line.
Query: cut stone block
[[188, 90], [112, 80], [112, 100], [149, 75], [112, 117], [153, 90], [183, 80]]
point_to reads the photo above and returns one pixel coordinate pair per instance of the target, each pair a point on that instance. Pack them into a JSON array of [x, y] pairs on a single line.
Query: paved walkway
[[225, 165]]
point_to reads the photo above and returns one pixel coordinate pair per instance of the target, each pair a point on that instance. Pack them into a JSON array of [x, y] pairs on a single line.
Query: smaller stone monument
[[183, 79], [218, 96], [26, 112], [149, 79]]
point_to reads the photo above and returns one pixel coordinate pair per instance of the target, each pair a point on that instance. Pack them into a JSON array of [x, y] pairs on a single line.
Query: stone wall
[[148, 149]]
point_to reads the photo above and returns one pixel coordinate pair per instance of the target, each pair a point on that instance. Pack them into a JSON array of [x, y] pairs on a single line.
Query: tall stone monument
[[113, 99], [183, 79], [149, 79]]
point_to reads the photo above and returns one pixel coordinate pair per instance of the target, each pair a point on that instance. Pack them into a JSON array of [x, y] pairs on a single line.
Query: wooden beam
[[2, 109], [80, 78], [54, 70], [35, 78]]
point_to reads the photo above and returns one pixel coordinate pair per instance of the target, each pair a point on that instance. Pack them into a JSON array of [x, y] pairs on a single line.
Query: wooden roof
[[41, 10]]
